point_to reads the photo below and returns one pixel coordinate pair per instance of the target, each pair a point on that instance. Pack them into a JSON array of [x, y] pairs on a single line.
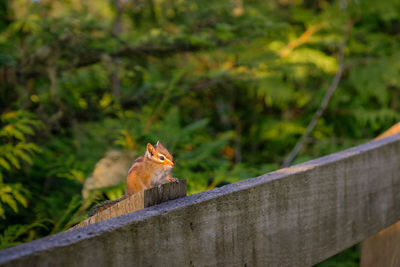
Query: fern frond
[[11, 131], [14, 232], [30, 147], [21, 199], [2, 212], [24, 128], [4, 164], [14, 161], [10, 201], [23, 155], [12, 194]]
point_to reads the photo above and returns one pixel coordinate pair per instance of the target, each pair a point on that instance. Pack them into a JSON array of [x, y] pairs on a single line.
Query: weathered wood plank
[[296, 216], [157, 195], [146, 198], [383, 248]]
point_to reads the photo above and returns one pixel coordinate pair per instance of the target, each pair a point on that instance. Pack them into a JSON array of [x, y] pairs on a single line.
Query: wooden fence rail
[[296, 216], [141, 200]]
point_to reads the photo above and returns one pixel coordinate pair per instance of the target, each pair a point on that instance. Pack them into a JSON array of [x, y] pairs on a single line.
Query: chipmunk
[[149, 170]]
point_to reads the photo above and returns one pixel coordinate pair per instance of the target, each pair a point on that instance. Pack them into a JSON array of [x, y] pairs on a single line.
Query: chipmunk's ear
[[150, 148], [159, 144]]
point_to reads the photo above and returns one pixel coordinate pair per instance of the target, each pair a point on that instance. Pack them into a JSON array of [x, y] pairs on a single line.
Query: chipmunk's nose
[[170, 162]]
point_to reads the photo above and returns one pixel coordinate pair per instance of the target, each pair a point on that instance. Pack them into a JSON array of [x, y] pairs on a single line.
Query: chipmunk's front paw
[[173, 180]]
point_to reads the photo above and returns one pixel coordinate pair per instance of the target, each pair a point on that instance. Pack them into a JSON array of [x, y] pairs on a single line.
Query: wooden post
[[383, 248], [144, 199]]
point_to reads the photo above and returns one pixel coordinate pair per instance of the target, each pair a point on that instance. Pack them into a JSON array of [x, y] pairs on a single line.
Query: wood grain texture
[[146, 198], [383, 248], [296, 216]]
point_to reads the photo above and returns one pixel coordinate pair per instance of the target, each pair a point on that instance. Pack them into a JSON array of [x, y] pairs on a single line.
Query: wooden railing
[[296, 216], [141, 200]]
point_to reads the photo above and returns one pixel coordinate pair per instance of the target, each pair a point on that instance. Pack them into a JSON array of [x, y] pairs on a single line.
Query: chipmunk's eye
[[161, 158]]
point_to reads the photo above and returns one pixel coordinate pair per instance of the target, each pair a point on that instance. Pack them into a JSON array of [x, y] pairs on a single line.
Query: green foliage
[[14, 150], [17, 234], [12, 194], [228, 86], [196, 152], [70, 216], [348, 258]]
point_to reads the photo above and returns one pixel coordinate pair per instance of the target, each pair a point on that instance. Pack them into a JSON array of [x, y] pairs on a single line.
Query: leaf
[[23, 155], [24, 128], [5, 164], [196, 125], [8, 115], [31, 148], [73, 175], [6, 198], [16, 232], [14, 161], [5, 188], [20, 198], [2, 213], [10, 131]]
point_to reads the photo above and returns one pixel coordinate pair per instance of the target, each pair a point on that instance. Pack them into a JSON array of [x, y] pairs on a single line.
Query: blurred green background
[[228, 86]]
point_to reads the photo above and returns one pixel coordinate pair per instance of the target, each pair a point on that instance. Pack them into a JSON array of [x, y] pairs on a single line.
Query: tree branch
[[284, 52], [335, 82], [116, 31]]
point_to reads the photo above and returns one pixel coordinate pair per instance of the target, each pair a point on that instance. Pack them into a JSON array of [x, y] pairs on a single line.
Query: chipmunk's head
[[159, 154]]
